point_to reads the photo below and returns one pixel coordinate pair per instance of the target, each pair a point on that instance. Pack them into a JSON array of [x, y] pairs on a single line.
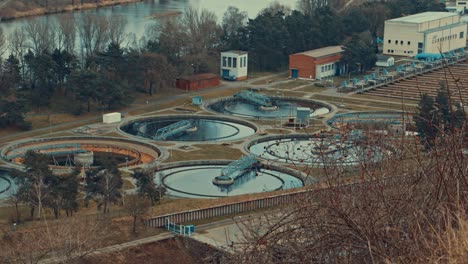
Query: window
[[388, 51], [389, 41], [401, 42], [224, 61], [396, 42], [333, 66], [391, 51], [409, 43], [234, 62], [229, 62], [462, 34], [323, 68], [245, 61]]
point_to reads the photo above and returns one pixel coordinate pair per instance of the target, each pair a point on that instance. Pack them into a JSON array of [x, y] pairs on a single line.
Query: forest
[[83, 66]]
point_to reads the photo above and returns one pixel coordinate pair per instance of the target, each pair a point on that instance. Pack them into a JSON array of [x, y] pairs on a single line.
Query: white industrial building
[[429, 32], [234, 64], [459, 7]]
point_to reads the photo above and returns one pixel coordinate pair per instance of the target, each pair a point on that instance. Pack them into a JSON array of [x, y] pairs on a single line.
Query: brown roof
[[322, 52], [199, 77]]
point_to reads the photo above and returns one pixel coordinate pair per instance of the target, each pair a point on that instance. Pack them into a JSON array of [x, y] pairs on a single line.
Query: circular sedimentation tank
[[369, 118], [281, 107], [66, 152], [7, 184], [196, 181], [321, 150], [189, 128]]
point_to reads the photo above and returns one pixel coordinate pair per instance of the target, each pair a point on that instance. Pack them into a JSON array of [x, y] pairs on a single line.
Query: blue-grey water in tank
[[196, 182], [206, 129], [239, 107], [7, 184]]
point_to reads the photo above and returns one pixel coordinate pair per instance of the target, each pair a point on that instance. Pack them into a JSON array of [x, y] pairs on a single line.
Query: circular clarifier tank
[[317, 151], [7, 184], [197, 181], [280, 107], [189, 128]]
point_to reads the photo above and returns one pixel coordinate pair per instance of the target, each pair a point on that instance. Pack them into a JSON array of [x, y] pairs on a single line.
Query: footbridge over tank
[[232, 171], [174, 129], [255, 98]]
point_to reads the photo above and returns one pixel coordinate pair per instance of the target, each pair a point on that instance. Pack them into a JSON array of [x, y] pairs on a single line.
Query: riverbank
[[13, 9]]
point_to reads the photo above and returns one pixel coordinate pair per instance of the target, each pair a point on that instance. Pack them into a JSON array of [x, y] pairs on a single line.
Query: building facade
[[197, 82], [429, 32], [459, 7], [234, 65], [316, 64]]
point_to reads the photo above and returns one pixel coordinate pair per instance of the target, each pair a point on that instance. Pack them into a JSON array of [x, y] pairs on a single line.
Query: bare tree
[[117, 26], [94, 34], [202, 30], [40, 35], [233, 20], [66, 33], [62, 241], [136, 205]]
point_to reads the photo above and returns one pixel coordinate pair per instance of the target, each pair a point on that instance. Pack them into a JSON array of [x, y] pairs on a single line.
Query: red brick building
[[316, 64], [197, 82]]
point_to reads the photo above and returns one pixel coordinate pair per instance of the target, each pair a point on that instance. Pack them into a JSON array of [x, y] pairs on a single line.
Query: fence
[[227, 209], [263, 203]]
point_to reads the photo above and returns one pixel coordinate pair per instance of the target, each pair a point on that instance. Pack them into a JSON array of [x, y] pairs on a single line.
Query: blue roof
[[430, 56]]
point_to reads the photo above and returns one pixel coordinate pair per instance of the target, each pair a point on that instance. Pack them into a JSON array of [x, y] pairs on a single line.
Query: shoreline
[[40, 11]]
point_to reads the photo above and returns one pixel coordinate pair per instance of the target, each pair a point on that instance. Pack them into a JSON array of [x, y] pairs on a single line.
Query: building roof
[[423, 17], [381, 57], [199, 77], [238, 52], [322, 52]]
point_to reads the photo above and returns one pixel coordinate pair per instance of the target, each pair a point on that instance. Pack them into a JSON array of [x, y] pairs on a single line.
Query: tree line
[[78, 65], [39, 188]]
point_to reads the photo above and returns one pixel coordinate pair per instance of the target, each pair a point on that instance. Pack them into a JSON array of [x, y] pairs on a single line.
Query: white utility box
[[111, 118]]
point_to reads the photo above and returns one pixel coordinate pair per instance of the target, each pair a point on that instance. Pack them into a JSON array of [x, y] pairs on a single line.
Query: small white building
[[234, 65], [428, 32], [111, 118], [384, 61]]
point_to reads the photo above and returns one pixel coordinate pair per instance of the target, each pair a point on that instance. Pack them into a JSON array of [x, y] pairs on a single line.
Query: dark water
[[242, 108], [196, 181], [207, 130], [7, 185], [137, 14]]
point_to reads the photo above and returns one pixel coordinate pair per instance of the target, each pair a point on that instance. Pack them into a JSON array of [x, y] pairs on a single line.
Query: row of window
[[406, 52], [232, 62], [454, 36], [328, 67], [396, 42]]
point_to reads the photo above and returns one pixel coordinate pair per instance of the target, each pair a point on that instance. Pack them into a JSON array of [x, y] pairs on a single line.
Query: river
[[137, 14]]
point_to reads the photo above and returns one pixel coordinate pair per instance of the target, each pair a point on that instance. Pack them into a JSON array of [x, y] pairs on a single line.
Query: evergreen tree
[[104, 186], [427, 123], [146, 186]]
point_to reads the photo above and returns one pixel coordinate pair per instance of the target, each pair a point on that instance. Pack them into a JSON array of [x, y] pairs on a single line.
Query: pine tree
[[427, 123]]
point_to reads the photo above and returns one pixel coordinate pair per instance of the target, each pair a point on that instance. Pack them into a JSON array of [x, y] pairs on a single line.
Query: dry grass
[[312, 89], [205, 152], [291, 84], [272, 79]]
